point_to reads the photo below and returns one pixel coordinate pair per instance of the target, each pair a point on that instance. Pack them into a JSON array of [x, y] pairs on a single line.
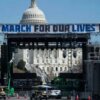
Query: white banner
[[50, 28], [84, 28], [46, 28]]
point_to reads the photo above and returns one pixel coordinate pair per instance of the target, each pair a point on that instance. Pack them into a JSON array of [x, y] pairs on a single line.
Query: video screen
[[48, 61]]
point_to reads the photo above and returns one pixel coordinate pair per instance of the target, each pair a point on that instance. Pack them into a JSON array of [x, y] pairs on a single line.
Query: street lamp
[[9, 67], [9, 76]]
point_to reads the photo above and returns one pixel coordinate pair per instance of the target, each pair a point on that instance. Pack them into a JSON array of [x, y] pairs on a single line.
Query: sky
[[56, 11]]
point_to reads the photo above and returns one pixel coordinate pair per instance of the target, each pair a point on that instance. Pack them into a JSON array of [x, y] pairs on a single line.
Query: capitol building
[[50, 62]]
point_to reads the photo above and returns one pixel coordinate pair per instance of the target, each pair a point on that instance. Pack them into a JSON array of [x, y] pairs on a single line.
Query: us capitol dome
[[33, 15]]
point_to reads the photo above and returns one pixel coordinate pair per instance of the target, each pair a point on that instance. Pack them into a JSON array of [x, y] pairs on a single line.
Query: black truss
[[49, 37], [59, 40], [32, 41]]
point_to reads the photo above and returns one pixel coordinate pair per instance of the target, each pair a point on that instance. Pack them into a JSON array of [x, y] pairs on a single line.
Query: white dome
[[33, 15]]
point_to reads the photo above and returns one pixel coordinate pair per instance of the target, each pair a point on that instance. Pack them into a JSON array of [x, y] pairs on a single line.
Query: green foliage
[[68, 84], [21, 65]]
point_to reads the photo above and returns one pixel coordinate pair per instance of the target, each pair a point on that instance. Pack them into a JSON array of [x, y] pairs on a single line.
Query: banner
[[50, 28], [84, 28]]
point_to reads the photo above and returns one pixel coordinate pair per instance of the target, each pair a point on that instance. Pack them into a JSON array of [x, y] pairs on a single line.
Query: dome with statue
[[33, 15]]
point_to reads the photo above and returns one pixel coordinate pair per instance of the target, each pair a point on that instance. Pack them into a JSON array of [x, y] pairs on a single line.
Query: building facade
[[93, 69]]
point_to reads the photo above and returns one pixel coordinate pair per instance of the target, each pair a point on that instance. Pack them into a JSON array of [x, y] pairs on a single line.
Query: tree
[[21, 65], [58, 81]]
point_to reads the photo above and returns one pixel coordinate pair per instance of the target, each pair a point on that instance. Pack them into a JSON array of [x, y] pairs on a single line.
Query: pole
[[9, 73]]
